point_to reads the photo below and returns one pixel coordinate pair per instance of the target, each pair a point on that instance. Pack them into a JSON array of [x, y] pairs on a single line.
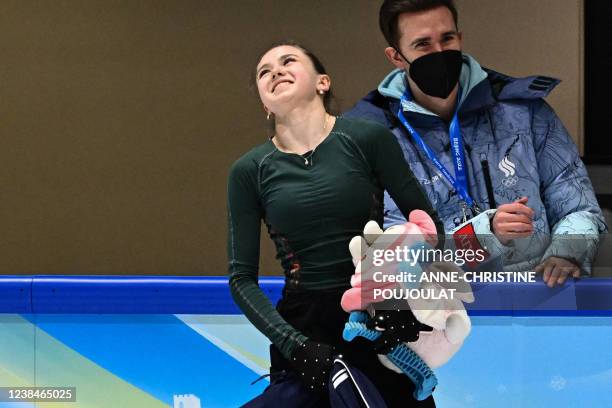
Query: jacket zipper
[[488, 183]]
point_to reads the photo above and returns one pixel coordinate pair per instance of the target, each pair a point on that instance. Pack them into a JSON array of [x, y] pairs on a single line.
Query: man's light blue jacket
[[515, 146]]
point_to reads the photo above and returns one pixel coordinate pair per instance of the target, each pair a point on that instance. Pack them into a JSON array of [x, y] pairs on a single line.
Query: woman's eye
[[421, 44], [288, 60], [262, 73]]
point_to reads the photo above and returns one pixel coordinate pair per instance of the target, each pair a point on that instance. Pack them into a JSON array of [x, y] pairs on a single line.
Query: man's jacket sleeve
[[567, 193]]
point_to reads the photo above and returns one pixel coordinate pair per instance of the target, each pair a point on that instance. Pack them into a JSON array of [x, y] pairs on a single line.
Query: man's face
[[422, 33]]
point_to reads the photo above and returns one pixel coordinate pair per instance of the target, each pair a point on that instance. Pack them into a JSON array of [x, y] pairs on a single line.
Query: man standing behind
[[477, 140]]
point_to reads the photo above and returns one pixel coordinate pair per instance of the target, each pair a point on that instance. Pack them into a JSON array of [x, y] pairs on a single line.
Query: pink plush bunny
[[419, 228], [448, 318]]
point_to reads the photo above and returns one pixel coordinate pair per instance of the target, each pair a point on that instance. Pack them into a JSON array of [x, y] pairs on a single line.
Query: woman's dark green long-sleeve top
[[312, 205]]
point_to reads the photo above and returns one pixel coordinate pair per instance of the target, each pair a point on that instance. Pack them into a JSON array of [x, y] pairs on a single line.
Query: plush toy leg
[[458, 326]]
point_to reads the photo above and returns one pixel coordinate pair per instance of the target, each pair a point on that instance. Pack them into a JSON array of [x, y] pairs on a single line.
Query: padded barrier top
[[211, 295]]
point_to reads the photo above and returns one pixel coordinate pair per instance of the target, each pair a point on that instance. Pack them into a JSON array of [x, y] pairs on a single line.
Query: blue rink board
[[505, 362], [509, 359]]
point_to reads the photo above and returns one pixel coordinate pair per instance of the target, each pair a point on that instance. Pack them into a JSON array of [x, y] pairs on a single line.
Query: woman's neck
[[302, 128]]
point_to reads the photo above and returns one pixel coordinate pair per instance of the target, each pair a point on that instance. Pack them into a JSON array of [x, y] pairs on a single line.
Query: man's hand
[[511, 221], [556, 270]]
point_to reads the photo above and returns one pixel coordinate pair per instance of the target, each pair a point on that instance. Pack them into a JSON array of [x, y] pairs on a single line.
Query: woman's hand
[[313, 362], [397, 326]]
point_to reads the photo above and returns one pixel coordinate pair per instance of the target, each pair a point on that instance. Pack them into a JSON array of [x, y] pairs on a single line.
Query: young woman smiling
[[315, 183]]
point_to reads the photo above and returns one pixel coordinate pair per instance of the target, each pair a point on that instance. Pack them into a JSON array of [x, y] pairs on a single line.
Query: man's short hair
[[391, 9]]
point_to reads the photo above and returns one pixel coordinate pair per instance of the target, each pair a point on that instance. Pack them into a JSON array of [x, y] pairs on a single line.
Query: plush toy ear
[[426, 224], [371, 231], [358, 248]]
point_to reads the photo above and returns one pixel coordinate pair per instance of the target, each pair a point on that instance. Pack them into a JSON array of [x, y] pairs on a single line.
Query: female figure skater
[[315, 183]]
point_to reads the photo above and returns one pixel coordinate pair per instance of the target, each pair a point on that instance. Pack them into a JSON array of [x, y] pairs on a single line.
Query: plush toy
[[448, 318]]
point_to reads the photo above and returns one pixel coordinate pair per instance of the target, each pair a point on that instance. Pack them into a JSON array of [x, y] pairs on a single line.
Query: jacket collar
[[481, 88]]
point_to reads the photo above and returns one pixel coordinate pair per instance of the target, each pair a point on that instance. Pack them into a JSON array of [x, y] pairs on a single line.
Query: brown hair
[[391, 9]]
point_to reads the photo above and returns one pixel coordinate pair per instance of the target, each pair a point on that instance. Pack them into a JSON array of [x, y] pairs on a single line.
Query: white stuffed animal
[[448, 318]]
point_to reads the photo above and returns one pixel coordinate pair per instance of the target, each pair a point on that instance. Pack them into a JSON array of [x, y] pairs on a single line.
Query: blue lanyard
[[459, 182]]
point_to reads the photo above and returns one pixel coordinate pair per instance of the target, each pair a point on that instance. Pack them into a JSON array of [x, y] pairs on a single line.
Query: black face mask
[[436, 74]]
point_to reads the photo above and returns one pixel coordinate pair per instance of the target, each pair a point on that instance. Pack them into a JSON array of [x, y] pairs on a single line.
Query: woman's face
[[286, 76]]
